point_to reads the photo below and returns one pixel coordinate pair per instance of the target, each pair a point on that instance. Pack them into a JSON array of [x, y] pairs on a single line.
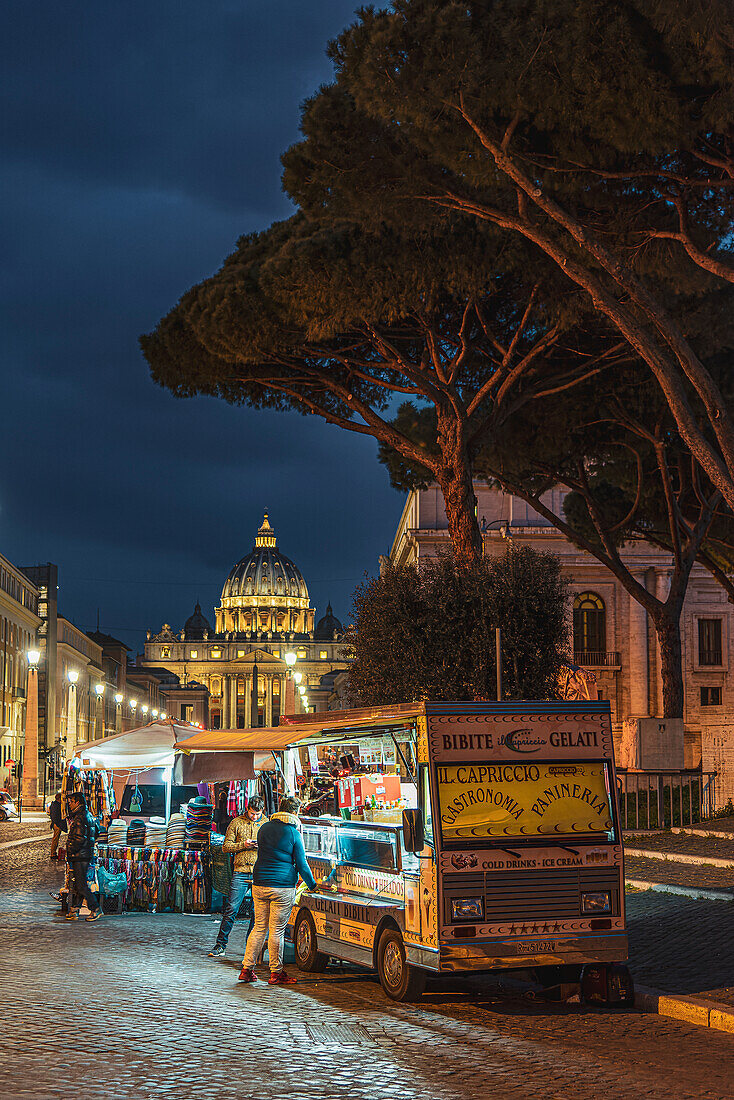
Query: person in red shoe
[[280, 859]]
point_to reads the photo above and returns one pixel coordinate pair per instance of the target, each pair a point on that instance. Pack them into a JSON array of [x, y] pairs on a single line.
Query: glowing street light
[[29, 790], [72, 676], [290, 658]]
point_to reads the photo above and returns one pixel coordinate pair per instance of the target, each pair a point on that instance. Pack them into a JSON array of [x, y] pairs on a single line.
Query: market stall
[[164, 855]]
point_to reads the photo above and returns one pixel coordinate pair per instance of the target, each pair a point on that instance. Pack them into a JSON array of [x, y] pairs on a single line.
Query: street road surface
[[131, 1007]]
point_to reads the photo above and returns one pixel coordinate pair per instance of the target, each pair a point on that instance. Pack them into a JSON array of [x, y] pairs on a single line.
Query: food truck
[[502, 852]]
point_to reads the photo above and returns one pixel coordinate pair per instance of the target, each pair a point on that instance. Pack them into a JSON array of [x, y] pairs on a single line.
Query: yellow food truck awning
[[266, 739]]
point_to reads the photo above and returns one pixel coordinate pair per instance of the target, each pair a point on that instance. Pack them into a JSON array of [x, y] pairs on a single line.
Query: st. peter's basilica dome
[[265, 591]]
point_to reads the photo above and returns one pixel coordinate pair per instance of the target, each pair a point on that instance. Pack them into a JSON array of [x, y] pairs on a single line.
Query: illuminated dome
[[265, 591]]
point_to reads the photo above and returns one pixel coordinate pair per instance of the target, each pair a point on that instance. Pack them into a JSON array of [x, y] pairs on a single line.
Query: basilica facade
[[264, 613]]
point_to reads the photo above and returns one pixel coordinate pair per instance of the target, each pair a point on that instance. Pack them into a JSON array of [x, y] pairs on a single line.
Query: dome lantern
[[266, 534]]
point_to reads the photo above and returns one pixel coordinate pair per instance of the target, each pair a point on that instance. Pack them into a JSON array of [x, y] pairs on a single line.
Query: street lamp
[[72, 676], [154, 714], [163, 714], [298, 676], [118, 712], [30, 752], [290, 658], [301, 689], [144, 709], [99, 689]]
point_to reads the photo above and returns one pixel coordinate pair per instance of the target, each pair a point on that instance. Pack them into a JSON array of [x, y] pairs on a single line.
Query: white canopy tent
[[150, 746]]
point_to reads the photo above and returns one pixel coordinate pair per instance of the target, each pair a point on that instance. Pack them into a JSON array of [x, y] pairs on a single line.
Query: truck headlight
[[598, 902], [467, 909]]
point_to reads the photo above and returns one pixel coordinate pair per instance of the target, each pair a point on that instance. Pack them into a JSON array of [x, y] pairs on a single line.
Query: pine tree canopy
[[594, 134], [347, 322]]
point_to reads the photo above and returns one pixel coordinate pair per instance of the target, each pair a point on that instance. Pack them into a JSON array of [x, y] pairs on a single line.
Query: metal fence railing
[[661, 800], [600, 658]]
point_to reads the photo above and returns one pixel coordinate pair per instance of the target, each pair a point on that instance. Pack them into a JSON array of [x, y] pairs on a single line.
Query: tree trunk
[[457, 487], [667, 628]]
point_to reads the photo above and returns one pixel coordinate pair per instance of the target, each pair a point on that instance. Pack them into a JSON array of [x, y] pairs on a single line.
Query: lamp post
[[118, 712], [144, 709], [30, 753], [290, 659], [99, 724], [72, 676]]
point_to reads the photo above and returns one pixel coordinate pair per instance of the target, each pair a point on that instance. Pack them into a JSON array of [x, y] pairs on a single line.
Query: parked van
[[146, 800]]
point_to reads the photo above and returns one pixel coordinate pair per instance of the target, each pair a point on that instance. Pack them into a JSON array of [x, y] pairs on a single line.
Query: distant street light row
[[34, 658]]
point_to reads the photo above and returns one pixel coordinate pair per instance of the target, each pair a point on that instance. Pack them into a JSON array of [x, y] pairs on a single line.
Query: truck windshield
[[499, 801]]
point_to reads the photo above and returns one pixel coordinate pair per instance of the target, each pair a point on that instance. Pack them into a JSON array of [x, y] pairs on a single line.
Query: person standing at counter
[[241, 841], [280, 859]]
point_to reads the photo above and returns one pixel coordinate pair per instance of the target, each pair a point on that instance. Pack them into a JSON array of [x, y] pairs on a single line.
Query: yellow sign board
[[516, 800]]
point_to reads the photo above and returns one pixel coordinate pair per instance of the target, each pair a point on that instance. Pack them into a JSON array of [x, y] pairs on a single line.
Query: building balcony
[[598, 658]]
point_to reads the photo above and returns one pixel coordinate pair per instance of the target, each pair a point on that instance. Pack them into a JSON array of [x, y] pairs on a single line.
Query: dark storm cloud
[[140, 140]]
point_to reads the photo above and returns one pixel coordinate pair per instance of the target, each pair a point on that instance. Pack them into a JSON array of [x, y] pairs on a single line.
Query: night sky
[[140, 140]]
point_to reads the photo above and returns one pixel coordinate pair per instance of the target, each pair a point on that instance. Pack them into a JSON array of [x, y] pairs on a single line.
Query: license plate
[[536, 947]]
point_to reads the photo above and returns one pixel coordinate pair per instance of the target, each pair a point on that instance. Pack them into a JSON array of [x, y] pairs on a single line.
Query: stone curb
[[692, 831], [25, 840], [690, 1009], [679, 857], [698, 892]]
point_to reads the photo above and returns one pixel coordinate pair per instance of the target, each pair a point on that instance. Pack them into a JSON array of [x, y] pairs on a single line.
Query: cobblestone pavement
[[131, 1007], [682, 843], [682, 946], [12, 830]]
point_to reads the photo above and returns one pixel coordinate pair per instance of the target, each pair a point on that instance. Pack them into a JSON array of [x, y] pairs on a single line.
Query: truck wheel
[[3, 815], [400, 980], [305, 945]]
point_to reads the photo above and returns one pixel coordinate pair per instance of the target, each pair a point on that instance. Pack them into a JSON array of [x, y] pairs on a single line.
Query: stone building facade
[[609, 631], [264, 613], [19, 621]]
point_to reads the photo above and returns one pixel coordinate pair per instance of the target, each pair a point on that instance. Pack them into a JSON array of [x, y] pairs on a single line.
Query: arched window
[[589, 623]]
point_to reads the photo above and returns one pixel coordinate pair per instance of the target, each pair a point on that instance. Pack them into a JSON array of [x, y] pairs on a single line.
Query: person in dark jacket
[[80, 853], [280, 859], [57, 824]]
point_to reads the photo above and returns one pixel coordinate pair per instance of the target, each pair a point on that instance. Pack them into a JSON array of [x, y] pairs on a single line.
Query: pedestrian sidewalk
[[681, 922], [696, 864]]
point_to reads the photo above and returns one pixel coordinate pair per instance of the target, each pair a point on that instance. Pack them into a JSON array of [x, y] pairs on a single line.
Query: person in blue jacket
[[280, 859]]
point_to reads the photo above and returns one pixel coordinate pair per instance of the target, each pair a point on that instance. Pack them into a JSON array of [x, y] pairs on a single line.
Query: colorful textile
[[199, 816], [232, 801]]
